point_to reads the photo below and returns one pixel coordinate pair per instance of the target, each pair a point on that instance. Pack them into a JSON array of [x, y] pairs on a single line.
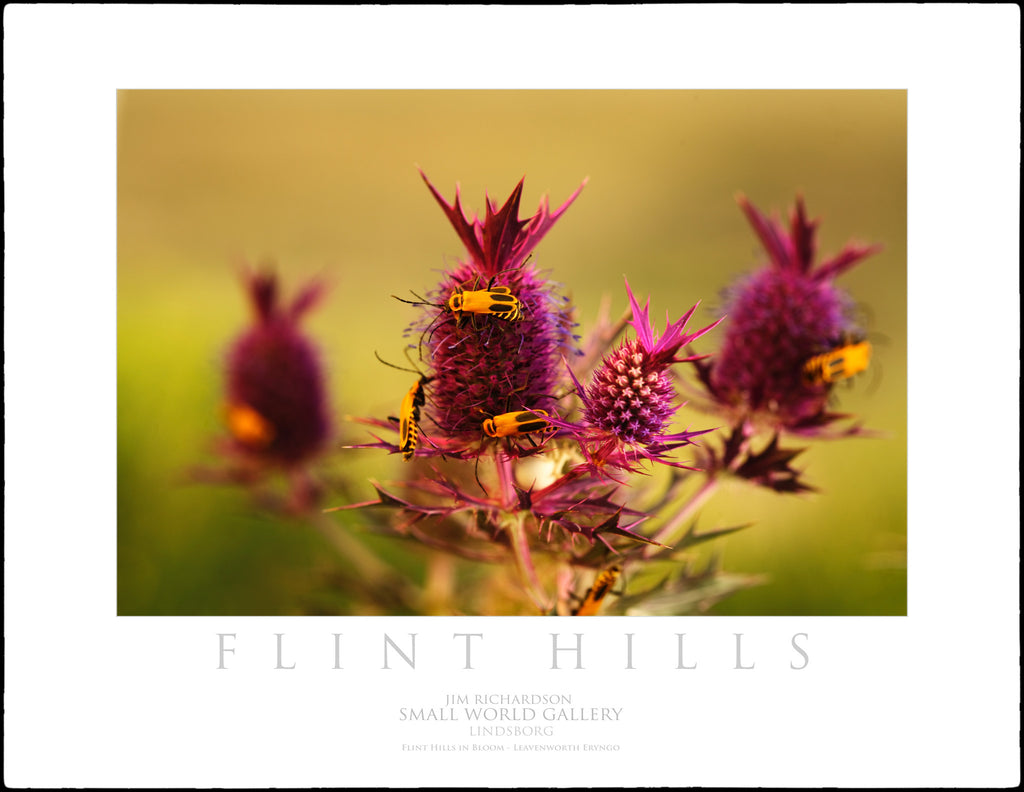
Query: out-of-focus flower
[[279, 430], [780, 317], [276, 409]]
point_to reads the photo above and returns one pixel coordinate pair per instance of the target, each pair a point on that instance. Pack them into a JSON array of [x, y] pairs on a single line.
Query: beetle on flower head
[[520, 326]]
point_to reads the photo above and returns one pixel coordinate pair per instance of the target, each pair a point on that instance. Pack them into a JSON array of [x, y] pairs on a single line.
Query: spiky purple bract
[[274, 378]]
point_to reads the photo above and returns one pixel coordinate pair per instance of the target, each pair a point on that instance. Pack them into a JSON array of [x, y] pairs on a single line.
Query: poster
[[163, 610]]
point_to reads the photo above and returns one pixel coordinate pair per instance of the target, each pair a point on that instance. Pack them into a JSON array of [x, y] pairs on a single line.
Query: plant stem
[[515, 525], [506, 480], [674, 528], [440, 585], [374, 573]]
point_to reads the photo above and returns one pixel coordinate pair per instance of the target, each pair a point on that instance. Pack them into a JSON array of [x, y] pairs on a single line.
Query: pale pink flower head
[[631, 399]]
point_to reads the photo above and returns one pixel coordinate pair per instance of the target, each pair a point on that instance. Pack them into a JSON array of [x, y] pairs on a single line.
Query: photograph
[[345, 346], [398, 352]]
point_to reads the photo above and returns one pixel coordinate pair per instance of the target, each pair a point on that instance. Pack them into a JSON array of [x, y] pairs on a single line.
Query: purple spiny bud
[[631, 397]]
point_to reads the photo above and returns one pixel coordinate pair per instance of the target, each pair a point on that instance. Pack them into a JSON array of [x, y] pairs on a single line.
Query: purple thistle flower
[[276, 402], [779, 318], [631, 398], [496, 335], [483, 364]]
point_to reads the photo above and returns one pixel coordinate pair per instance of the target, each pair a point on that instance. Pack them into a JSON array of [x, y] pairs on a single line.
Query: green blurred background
[[324, 183]]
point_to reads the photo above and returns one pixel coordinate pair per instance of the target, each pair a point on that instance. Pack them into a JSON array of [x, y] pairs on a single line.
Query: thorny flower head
[[491, 355], [496, 339], [781, 317], [631, 398]]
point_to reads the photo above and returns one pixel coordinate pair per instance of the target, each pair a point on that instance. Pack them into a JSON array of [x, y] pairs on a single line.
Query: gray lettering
[[681, 664], [555, 649], [467, 636], [403, 655], [739, 662], [223, 649], [279, 637], [801, 651]]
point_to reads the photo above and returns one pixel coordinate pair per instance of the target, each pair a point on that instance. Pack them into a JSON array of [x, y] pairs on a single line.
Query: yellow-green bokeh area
[[325, 183]]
